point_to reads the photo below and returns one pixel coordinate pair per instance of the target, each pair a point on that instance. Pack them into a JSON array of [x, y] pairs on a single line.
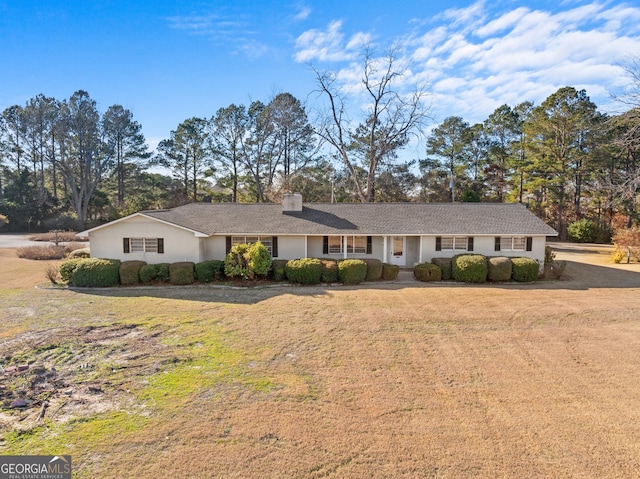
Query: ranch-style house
[[404, 234], [399, 233]]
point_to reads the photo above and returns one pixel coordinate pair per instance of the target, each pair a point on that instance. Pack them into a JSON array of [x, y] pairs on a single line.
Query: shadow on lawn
[[579, 277]]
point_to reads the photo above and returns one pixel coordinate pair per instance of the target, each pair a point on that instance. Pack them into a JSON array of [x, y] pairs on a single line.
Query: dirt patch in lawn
[[68, 374]]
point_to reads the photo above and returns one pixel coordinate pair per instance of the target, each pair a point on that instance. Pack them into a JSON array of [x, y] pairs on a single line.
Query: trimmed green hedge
[[374, 269], [277, 269], [427, 272], [525, 269], [67, 268], [390, 271], [445, 267], [304, 271], [148, 273], [80, 253], [181, 273], [352, 271], [329, 271], [96, 273], [130, 272], [499, 268], [469, 268], [208, 271]]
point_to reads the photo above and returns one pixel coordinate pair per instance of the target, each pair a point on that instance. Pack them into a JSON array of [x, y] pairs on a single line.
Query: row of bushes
[[468, 268], [476, 268], [94, 272]]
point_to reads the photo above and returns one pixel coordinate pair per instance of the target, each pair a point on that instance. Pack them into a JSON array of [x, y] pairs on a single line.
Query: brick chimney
[[292, 203]]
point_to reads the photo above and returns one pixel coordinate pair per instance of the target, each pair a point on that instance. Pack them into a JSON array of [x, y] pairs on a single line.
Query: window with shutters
[[454, 243], [513, 243], [143, 245], [267, 241]]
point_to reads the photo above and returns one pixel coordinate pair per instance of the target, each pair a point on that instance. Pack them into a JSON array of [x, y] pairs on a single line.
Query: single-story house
[[399, 233]]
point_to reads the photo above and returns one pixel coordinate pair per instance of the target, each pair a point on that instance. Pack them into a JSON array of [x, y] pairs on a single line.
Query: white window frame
[[454, 243], [356, 244], [267, 241], [513, 243]]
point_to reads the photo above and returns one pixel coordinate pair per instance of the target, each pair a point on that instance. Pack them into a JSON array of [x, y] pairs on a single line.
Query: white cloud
[[482, 56], [328, 45], [302, 14]]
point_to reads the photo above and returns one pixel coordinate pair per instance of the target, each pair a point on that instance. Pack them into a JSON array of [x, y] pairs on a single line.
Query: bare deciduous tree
[[391, 116]]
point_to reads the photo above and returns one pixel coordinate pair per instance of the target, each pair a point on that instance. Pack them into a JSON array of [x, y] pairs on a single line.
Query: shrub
[[277, 269], [304, 270], [374, 269], [352, 271], [549, 255], [130, 272], [163, 272], [80, 253], [627, 240], [469, 268], [582, 231], [67, 268], [42, 252], [445, 266], [96, 273], [525, 269], [259, 259], [618, 256], [390, 271], [499, 268], [247, 261], [52, 273], [427, 272], [148, 273], [181, 273], [329, 271], [208, 271]]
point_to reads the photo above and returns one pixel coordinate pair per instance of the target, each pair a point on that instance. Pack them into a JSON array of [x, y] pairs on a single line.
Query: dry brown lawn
[[380, 381]]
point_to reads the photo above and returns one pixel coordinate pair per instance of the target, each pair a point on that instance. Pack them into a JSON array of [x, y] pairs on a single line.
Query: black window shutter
[[274, 247], [529, 243], [369, 245], [125, 245], [470, 243], [228, 244], [160, 245], [497, 244], [325, 245], [438, 243]]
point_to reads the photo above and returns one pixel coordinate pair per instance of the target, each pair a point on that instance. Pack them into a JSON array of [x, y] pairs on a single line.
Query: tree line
[[65, 164]]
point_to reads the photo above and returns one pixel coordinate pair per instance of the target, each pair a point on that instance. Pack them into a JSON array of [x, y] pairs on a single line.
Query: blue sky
[[168, 61]]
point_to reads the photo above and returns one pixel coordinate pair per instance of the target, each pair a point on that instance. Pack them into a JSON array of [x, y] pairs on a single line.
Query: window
[[454, 243], [267, 241], [143, 245], [335, 244], [512, 243], [355, 244]]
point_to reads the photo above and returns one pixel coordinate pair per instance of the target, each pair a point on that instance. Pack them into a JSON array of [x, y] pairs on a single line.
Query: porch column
[[385, 241], [344, 246], [421, 238], [306, 245]]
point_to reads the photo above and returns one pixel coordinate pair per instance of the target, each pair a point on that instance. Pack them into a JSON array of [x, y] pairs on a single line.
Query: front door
[[398, 247]]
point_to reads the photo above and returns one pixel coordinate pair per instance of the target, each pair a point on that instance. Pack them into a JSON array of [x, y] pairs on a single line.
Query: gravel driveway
[[17, 241]]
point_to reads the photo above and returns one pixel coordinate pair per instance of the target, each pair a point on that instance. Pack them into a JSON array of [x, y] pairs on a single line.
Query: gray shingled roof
[[357, 218]]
